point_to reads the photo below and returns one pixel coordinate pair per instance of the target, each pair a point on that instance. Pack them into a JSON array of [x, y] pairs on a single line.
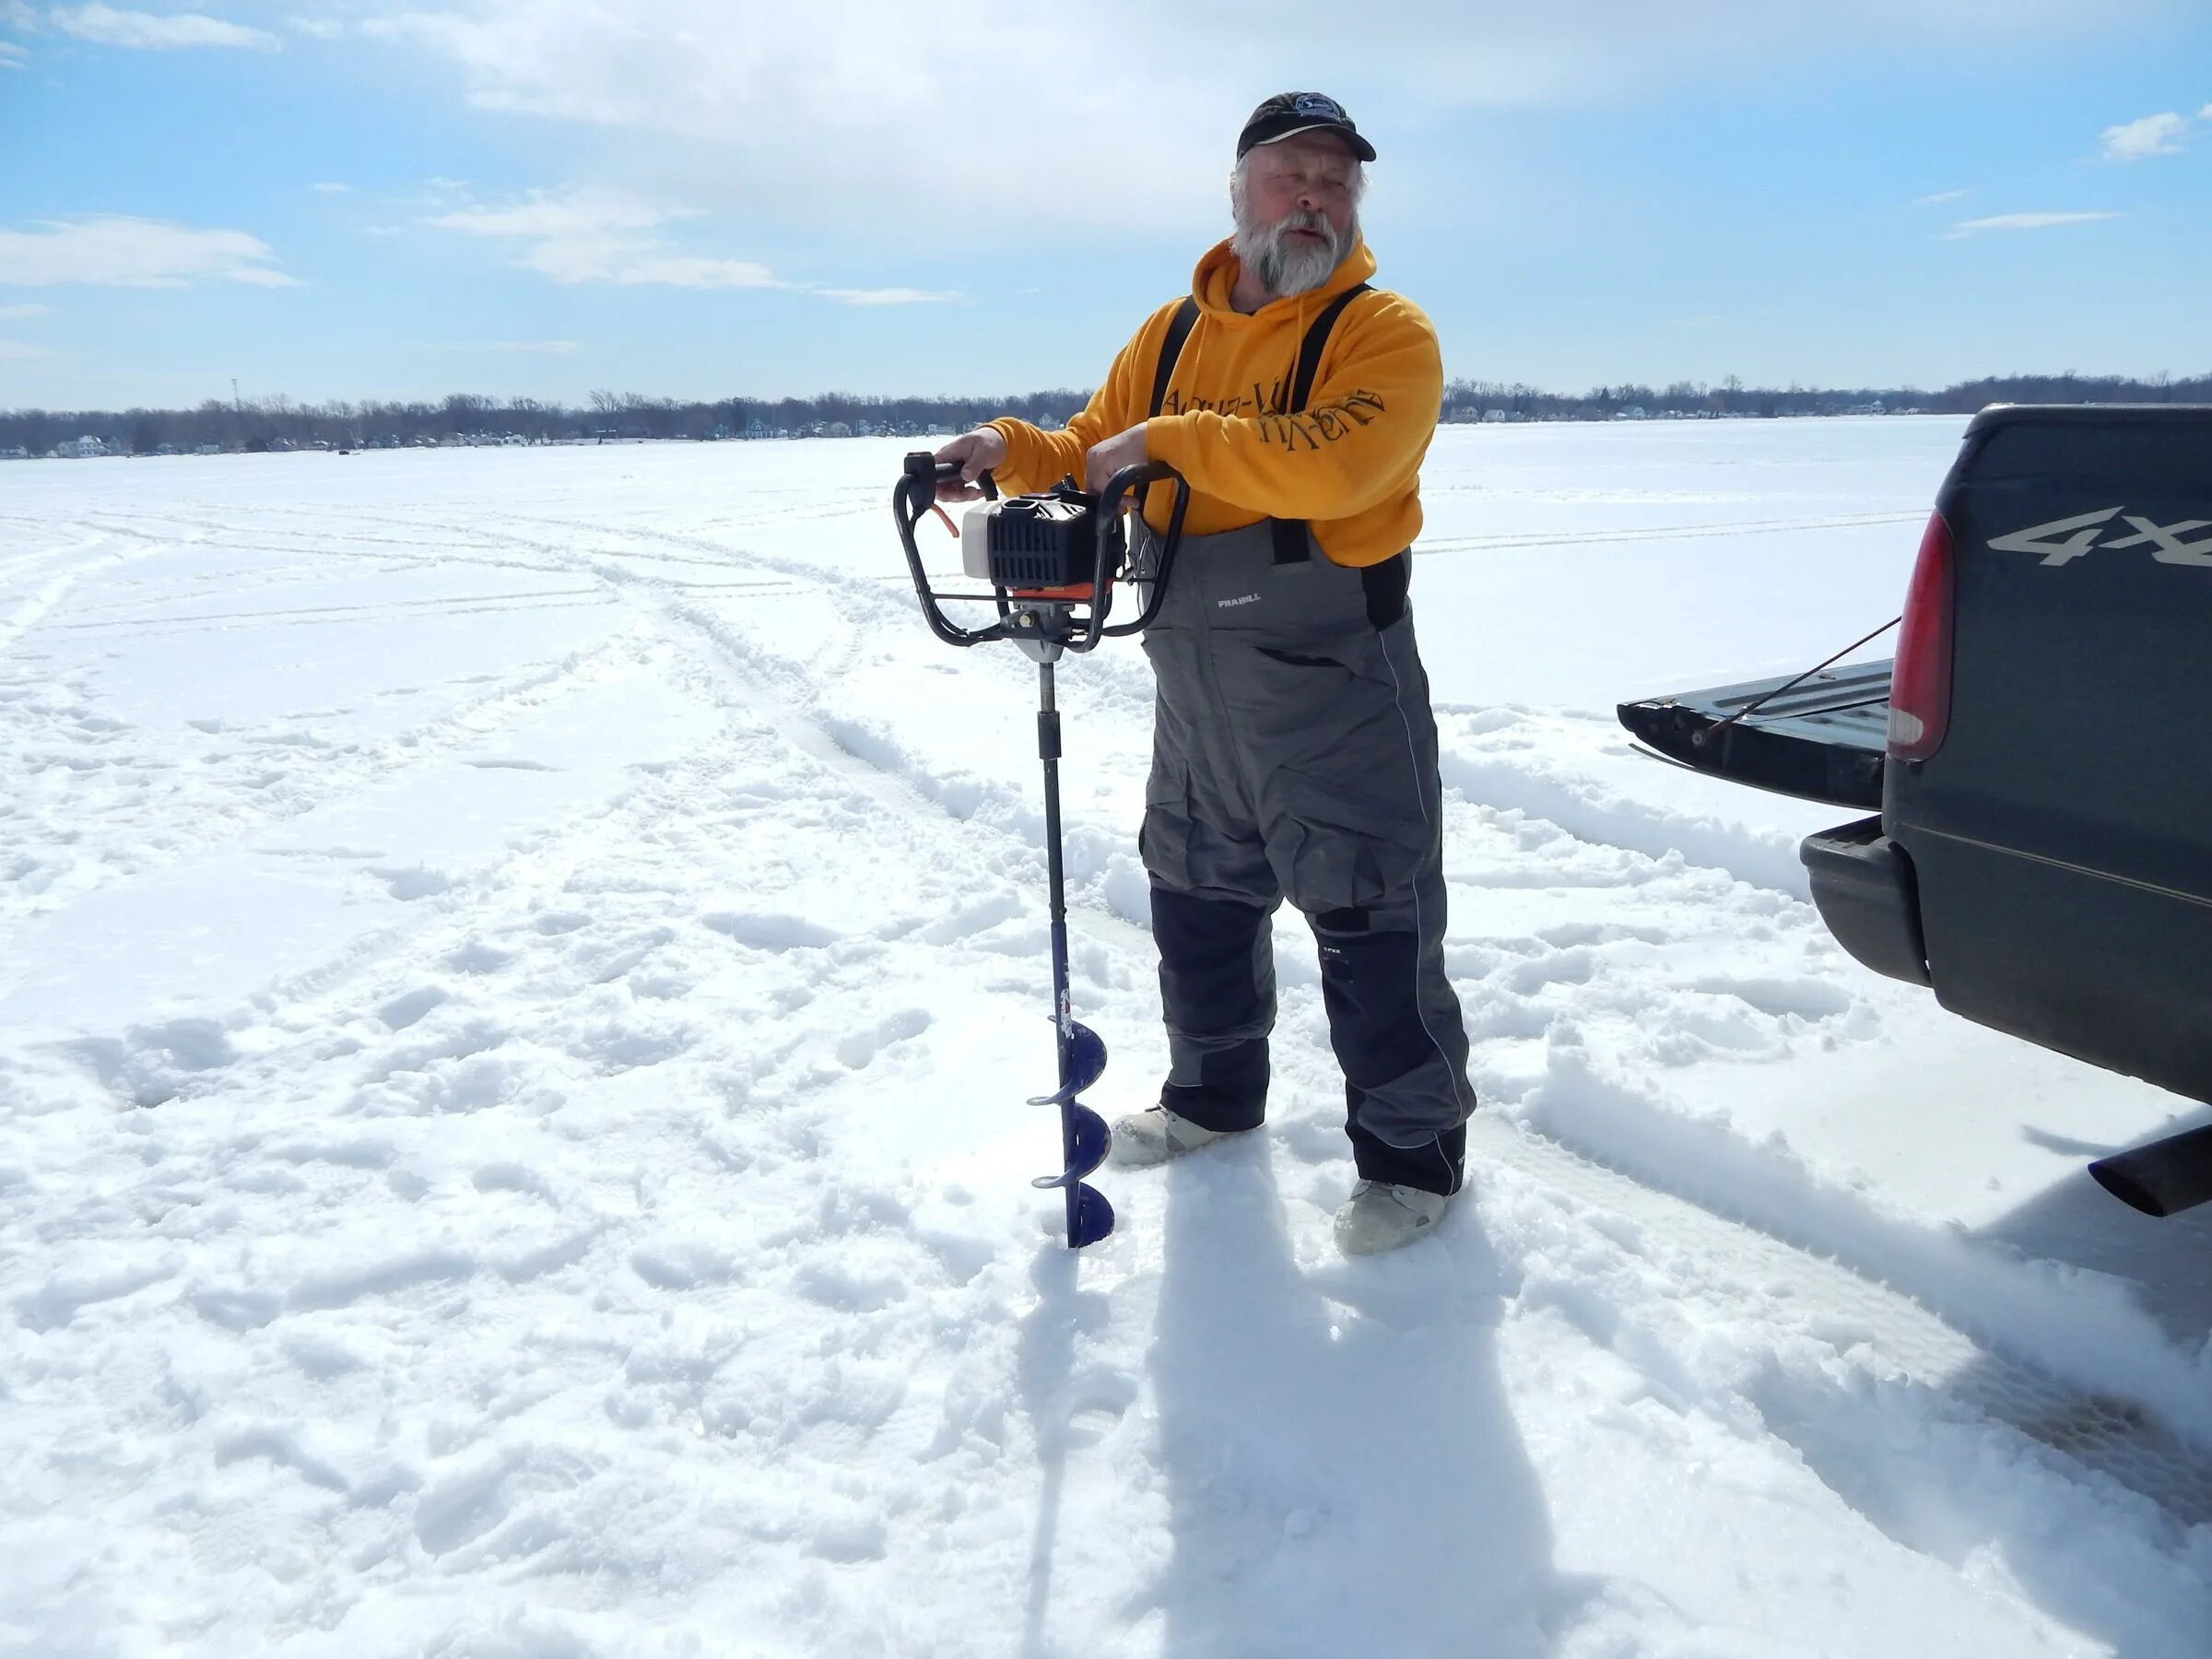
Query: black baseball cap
[[1287, 113]]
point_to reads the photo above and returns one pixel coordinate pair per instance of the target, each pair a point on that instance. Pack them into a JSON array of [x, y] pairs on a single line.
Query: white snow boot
[[1155, 1134], [1379, 1217]]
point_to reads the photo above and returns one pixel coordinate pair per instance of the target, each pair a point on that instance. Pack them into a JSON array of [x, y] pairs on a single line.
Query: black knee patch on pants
[[1231, 1090], [1218, 1001], [1434, 1166], [1370, 982]]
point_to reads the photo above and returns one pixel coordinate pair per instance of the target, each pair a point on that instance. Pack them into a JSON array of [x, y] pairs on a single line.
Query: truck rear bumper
[[1862, 884]]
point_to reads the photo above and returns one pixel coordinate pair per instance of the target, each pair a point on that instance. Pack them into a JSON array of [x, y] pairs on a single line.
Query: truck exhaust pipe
[[2164, 1177]]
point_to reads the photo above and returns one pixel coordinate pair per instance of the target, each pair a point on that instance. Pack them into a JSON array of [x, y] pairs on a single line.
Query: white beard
[[1284, 267]]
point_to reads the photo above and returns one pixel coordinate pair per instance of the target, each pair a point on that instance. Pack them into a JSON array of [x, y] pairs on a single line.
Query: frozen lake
[[518, 970]]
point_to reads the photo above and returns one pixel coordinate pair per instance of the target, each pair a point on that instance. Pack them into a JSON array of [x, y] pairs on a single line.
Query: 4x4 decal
[[2062, 540]]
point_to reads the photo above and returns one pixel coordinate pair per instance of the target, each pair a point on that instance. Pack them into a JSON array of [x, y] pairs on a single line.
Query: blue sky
[[543, 197]]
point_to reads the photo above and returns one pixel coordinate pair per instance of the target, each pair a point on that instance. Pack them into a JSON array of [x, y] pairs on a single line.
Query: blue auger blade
[[1089, 1216], [1090, 1137], [1086, 1066]]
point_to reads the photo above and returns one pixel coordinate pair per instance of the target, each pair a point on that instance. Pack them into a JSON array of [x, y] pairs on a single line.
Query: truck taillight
[[1920, 686]]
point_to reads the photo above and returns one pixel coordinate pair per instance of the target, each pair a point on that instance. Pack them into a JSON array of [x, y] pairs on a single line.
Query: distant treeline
[[279, 422], [1473, 399]]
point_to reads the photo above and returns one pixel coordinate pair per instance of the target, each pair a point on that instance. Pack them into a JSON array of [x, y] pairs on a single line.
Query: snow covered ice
[[519, 972]]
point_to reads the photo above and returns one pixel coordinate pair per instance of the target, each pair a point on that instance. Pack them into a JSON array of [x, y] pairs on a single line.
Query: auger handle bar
[[917, 495]]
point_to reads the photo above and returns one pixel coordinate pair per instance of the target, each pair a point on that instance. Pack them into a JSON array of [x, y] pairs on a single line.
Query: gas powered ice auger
[[1050, 562]]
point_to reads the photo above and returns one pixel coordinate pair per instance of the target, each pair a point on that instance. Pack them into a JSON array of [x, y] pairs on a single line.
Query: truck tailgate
[[1822, 740]]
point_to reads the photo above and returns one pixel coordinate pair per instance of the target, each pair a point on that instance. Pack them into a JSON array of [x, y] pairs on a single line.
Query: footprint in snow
[[514, 1178], [979, 917], [1574, 966], [1096, 1401], [682, 1266], [236, 1310], [403, 1011], [1807, 999], [152, 1065], [463, 1507], [362, 1153], [859, 1049], [412, 884], [829, 1286], [342, 1286], [768, 930]]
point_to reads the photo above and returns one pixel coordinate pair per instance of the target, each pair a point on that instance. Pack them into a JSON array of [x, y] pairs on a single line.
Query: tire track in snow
[[76, 562], [1592, 811], [789, 694], [180, 1061], [340, 770], [318, 616], [1879, 1333], [245, 806]]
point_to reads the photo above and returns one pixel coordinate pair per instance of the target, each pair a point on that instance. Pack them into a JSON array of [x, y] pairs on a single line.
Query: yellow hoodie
[[1350, 465]]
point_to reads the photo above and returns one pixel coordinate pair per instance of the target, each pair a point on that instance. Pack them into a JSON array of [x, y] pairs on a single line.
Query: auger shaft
[[1048, 751]]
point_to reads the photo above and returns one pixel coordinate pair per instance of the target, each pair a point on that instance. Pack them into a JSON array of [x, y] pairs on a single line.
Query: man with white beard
[[1294, 750]]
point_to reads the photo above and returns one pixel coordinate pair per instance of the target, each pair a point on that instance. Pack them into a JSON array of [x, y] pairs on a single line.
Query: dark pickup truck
[[2040, 754]]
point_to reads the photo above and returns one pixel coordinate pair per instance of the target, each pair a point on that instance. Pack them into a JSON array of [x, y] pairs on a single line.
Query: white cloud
[[146, 32], [12, 56], [25, 310], [600, 236], [2204, 114], [1940, 197], [114, 252], [595, 238], [17, 351], [316, 29], [888, 296], [835, 118], [329, 187], [581, 213], [2138, 140], [2022, 221]]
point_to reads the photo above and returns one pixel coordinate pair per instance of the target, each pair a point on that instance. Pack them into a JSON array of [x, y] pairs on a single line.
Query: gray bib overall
[[1294, 756]]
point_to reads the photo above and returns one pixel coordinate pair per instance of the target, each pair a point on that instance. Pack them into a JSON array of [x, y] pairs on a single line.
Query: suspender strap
[[1290, 543], [1309, 351], [1290, 546], [1179, 330]]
